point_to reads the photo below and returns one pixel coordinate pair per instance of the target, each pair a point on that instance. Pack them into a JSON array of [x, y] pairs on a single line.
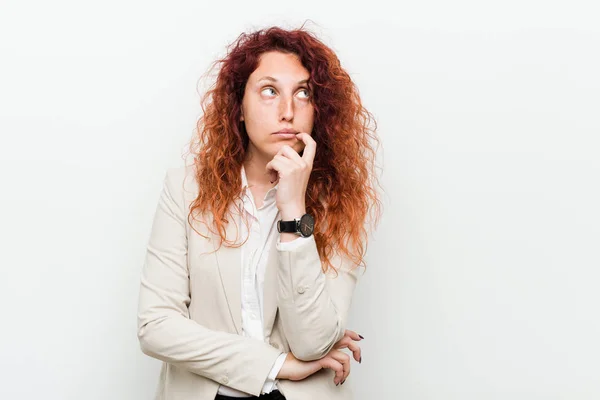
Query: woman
[[282, 160]]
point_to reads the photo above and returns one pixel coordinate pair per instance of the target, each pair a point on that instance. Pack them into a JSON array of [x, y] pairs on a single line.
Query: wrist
[[296, 370], [284, 372], [291, 213]]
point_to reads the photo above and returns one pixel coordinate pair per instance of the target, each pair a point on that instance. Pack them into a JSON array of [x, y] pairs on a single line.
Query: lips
[[283, 131], [285, 135]]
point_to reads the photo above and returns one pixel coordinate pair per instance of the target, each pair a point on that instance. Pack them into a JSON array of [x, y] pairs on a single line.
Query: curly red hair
[[340, 190]]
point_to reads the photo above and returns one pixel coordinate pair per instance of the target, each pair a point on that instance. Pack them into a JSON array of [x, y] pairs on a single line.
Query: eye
[[268, 88], [307, 93]]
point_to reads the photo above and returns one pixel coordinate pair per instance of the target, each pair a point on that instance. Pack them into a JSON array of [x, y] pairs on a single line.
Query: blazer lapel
[[230, 262]]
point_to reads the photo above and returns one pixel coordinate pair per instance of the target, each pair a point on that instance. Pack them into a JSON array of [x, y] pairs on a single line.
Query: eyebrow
[[270, 78]]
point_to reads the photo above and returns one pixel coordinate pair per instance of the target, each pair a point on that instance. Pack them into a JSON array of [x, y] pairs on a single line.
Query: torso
[[258, 196]]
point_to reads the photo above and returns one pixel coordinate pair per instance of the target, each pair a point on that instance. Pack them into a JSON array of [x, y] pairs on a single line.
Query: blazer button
[[225, 380], [301, 289]]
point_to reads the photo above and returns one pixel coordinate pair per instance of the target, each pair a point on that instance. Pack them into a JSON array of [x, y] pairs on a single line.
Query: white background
[[482, 278]]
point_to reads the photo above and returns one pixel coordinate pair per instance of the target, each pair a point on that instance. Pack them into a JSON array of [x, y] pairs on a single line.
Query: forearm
[[165, 329], [313, 307], [310, 321], [229, 359]]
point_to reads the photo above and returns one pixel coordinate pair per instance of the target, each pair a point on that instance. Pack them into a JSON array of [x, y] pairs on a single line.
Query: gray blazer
[[189, 309]]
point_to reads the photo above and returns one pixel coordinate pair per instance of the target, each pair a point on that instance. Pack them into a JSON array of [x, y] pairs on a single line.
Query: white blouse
[[261, 236]]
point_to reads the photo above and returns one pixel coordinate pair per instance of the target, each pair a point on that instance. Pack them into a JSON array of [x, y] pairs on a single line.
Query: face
[[277, 97]]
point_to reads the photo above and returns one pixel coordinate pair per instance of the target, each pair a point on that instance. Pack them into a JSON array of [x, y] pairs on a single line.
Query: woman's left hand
[[348, 342], [293, 172]]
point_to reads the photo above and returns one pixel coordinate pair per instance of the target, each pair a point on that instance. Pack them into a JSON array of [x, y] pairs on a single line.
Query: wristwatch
[[303, 226]]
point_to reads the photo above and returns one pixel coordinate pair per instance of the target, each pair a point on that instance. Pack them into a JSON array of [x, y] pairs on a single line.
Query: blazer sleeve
[[164, 328], [313, 306]]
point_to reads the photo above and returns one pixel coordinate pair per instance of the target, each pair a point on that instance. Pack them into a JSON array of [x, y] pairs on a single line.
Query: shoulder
[[177, 174], [181, 181]]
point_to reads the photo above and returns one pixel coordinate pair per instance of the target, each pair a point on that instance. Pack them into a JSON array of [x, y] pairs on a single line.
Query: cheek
[[258, 112], [252, 115], [309, 115], [255, 118]]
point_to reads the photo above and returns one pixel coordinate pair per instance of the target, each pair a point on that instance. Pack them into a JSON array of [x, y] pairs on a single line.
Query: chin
[[271, 149]]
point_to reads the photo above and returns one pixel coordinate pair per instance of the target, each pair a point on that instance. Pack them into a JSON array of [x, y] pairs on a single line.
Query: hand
[[348, 342], [294, 369], [293, 173]]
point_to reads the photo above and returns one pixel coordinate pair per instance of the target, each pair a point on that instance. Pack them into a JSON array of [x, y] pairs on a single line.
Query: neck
[[255, 166]]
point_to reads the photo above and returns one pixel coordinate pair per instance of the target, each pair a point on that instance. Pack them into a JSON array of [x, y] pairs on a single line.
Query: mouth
[[286, 134], [286, 131]]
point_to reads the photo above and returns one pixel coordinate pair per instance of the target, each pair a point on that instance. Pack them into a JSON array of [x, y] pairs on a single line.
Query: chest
[[258, 196]]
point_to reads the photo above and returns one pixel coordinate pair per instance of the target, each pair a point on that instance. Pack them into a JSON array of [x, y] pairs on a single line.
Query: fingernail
[[360, 360], [337, 384], [361, 336], [343, 381]]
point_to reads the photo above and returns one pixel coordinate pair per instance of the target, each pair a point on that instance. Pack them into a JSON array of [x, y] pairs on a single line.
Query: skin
[[268, 106], [338, 361]]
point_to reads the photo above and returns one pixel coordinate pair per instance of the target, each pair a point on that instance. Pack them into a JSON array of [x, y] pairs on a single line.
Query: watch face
[[307, 225]]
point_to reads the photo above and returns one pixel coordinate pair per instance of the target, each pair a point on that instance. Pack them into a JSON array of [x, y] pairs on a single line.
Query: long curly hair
[[340, 192]]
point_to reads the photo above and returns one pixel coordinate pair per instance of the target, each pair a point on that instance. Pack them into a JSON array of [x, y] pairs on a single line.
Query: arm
[[313, 306], [165, 330]]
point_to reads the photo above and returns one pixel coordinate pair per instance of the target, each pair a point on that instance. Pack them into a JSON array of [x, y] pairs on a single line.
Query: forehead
[[280, 66]]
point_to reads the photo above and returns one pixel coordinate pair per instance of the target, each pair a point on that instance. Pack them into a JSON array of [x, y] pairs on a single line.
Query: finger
[[356, 351], [349, 337], [310, 147], [353, 335], [272, 169], [273, 174], [285, 154], [344, 359], [336, 366], [290, 153], [278, 166], [342, 343], [288, 165], [291, 164]]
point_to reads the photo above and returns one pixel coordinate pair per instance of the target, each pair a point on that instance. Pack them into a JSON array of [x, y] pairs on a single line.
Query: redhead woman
[[257, 245]]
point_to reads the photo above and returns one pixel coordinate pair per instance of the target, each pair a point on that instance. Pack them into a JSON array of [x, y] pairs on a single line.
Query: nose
[[286, 109]]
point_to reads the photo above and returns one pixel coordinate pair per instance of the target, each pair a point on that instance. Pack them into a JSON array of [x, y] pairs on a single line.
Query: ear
[[241, 114]]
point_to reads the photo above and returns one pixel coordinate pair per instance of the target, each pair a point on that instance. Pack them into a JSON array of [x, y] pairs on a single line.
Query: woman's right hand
[[297, 370], [336, 360]]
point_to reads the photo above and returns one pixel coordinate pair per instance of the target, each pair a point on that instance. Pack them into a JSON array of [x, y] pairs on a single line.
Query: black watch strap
[[287, 226], [303, 226]]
